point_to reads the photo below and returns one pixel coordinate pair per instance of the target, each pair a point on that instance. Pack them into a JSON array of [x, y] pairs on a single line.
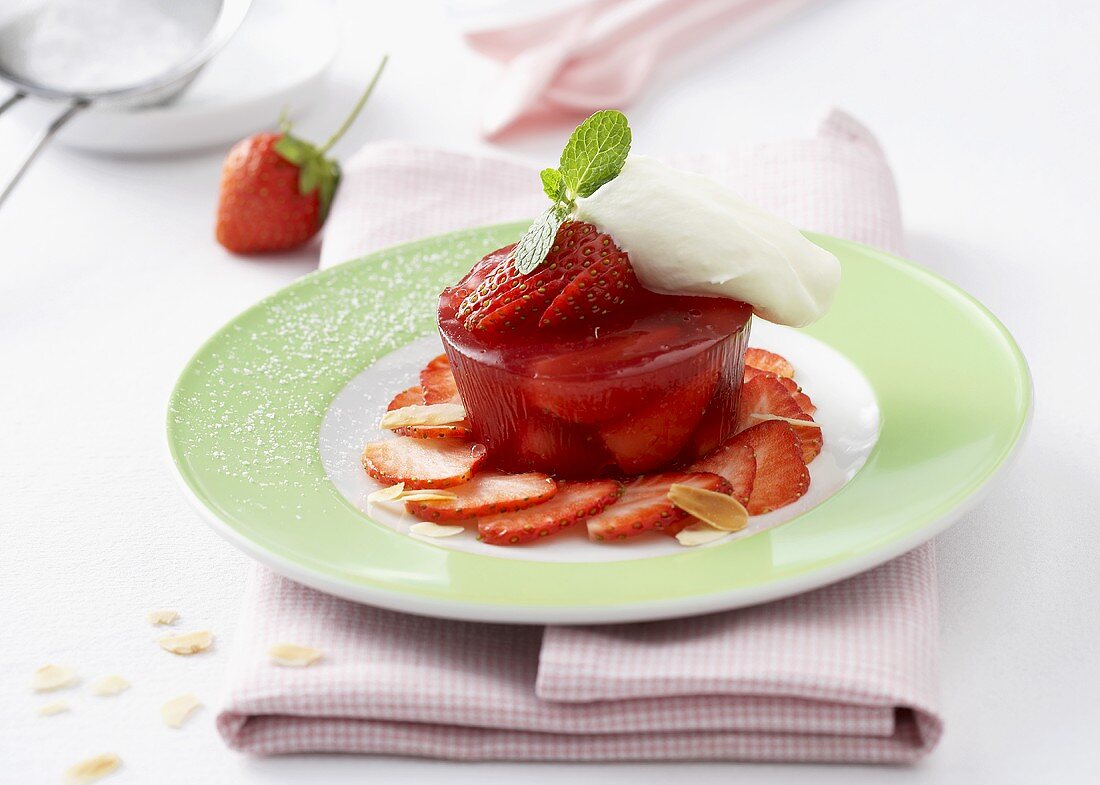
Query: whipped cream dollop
[[688, 235]]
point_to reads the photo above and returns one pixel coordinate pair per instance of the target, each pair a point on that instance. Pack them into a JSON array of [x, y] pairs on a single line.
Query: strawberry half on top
[[584, 277]]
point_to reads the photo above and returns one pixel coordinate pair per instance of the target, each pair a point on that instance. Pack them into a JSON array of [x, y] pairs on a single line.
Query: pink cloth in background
[[836, 182], [846, 673], [601, 53]]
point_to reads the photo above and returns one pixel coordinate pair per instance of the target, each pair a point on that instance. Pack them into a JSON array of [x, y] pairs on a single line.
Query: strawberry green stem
[[358, 108]]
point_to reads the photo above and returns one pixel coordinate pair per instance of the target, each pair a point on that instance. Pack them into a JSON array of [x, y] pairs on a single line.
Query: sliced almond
[[50, 709], [161, 617], [110, 685], [418, 414], [718, 510], [293, 655], [53, 677], [92, 769], [427, 496], [699, 534], [429, 529], [397, 493], [788, 420], [188, 643], [176, 711], [388, 494]]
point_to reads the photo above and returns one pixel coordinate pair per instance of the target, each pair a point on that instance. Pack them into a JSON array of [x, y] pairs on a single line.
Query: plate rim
[[617, 612]]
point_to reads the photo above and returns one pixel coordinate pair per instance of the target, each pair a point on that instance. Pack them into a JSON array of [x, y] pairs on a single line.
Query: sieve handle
[[47, 133]]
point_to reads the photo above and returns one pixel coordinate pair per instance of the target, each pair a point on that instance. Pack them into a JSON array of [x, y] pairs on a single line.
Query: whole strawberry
[[276, 189]]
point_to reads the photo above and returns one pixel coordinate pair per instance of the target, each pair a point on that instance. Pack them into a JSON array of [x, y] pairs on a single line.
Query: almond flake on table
[[188, 643], [423, 414], [50, 709], [176, 711], [110, 685], [699, 534], [162, 617], [718, 510], [429, 529], [53, 677], [293, 655], [92, 769]]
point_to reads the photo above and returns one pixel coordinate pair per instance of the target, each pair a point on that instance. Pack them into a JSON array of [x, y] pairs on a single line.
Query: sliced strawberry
[[507, 299], [438, 382], [422, 463], [768, 395], [458, 430], [655, 433], [644, 506], [764, 395], [414, 396], [488, 493], [768, 361], [584, 277], [736, 463], [604, 280], [804, 403], [781, 475], [790, 384], [751, 373], [573, 503]]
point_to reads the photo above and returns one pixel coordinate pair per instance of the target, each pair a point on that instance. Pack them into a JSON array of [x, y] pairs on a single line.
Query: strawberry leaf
[[315, 172], [295, 150]]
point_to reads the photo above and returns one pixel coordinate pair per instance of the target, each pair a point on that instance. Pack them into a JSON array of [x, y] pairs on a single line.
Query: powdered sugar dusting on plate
[[242, 403]]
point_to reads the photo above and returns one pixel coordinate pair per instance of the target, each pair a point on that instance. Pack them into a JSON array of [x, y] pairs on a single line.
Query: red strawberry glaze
[[563, 400]]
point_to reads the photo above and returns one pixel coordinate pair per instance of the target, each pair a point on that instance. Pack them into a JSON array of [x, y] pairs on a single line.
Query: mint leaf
[[553, 184], [537, 240], [595, 153]]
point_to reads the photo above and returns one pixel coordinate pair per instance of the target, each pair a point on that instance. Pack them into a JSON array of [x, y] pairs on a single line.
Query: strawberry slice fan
[[762, 466]]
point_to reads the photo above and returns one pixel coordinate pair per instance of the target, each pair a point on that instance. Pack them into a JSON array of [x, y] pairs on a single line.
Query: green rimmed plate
[[923, 397]]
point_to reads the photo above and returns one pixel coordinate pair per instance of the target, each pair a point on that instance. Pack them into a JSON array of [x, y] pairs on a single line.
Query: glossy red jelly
[[660, 384]]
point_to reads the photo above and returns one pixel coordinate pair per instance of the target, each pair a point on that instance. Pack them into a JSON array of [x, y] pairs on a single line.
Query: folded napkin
[[571, 59], [845, 673]]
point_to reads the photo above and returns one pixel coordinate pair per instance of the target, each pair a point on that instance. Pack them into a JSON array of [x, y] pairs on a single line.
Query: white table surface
[[990, 112]]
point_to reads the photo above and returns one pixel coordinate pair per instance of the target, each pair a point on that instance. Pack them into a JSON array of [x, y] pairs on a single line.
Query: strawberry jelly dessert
[[623, 388], [610, 339]]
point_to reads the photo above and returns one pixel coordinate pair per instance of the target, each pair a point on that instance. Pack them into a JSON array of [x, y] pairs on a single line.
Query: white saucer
[[275, 62]]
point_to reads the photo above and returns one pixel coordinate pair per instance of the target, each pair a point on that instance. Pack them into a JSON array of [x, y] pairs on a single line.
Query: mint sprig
[[594, 155]]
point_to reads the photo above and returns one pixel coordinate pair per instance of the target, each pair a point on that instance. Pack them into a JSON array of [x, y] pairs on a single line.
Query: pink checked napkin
[[571, 59], [845, 673]]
